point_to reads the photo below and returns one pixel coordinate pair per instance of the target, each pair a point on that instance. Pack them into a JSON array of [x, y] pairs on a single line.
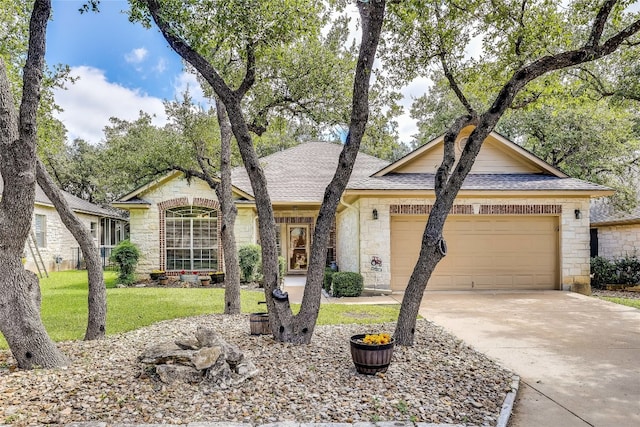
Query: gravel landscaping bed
[[438, 380], [615, 294]]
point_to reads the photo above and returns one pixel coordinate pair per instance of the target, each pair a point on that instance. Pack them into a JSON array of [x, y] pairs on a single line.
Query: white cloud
[[188, 81], [136, 56], [407, 127], [161, 65], [92, 100]]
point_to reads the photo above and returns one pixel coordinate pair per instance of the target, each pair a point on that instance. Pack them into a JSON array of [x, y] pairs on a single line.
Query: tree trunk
[[97, 299], [284, 325], [448, 184], [20, 320], [301, 329], [229, 212]]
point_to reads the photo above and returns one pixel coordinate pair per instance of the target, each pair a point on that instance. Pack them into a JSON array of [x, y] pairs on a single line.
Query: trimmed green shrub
[[328, 274], [620, 271], [347, 284], [250, 260], [125, 255], [603, 272]]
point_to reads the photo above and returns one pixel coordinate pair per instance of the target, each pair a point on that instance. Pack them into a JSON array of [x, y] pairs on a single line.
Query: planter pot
[[259, 324], [217, 277], [205, 281], [371, 359], [163, 280], [191, 278], [155, 276]]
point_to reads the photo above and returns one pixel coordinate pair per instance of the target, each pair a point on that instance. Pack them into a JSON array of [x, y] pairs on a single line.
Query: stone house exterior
[[614, 234], [518, 223], [57, 247]]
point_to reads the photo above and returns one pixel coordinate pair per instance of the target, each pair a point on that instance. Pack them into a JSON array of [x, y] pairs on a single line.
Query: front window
[[191, 238], [94, 229], [41, 230]]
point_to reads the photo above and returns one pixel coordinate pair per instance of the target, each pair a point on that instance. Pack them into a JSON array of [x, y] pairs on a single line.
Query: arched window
[[191, 238]]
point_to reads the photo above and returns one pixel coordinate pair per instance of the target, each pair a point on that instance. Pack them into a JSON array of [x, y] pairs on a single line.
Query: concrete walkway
[[578, 357]]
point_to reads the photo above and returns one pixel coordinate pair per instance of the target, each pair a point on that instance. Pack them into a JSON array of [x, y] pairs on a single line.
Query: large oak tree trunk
[[300, 329], [97, 298], [284, 325], [20, 320], [447, 184], [229, 212]]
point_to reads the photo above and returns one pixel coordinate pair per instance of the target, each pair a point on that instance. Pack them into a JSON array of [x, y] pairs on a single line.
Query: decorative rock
[[166, 352], [188, 344], [171, 373], [206, 357], [207, 337]]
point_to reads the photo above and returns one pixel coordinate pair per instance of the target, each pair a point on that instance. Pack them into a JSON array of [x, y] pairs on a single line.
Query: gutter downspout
[[342, 202]]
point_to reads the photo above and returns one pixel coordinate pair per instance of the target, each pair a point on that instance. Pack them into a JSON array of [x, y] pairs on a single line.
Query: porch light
[[578, 214], [374, 214]]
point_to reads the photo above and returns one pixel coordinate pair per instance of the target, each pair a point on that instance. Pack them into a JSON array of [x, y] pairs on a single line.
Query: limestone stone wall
[[347, 238], [59, 241], [375, 235], [145, 223], [616, 241]]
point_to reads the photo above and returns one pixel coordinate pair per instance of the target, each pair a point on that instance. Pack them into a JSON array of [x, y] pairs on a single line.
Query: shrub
[[620, 271], [125, 255], [250, 260], [347, 284], [328, 274], [628, 270]]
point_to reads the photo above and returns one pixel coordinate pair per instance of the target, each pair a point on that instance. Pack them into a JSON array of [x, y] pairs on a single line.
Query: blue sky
[[124, 68]]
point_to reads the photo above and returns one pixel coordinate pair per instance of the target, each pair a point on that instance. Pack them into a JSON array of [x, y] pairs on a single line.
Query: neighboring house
[[57, 246], [614, 234], [518, 223]]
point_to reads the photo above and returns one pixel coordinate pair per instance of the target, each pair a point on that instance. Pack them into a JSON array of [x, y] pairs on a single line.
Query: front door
[[298, 243]]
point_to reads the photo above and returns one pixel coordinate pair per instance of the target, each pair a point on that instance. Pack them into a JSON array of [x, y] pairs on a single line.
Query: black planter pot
[[371, 359], [217, 277]]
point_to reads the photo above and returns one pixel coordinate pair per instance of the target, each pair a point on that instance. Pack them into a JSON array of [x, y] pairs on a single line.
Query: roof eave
[[484, 193]]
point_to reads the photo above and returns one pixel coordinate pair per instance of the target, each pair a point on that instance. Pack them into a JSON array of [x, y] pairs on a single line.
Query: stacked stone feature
[[206, 357]]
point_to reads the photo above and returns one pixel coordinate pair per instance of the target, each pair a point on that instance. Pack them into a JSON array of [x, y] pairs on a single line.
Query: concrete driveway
[[578, 357]]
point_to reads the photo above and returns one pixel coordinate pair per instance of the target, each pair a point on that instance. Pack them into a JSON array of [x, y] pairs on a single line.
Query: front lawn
[[64, 306]]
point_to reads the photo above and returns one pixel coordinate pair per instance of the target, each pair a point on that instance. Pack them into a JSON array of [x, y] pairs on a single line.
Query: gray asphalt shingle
[[301, 173]]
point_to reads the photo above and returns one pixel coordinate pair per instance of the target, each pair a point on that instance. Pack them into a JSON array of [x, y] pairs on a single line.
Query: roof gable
[[498, 155], [139, 192]]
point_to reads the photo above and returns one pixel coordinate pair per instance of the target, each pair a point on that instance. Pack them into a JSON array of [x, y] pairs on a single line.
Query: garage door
[[505, 252]]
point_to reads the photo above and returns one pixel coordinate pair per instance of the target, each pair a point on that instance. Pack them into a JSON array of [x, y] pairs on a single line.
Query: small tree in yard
[[126, 256]]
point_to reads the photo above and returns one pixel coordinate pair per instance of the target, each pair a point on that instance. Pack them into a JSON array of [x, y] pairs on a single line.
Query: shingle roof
[[75, 203], [485, 182], [602, 212], [301, 173]]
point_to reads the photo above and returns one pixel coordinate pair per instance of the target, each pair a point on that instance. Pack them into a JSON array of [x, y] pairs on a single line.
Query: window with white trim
[[191, 238]]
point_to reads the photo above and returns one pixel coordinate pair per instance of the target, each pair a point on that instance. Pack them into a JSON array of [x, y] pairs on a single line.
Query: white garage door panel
[[515, 252]]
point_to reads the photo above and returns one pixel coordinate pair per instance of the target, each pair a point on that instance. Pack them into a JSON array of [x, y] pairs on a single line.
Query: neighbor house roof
[[76, 204], [603, 213], [300, 174], [478, 182]]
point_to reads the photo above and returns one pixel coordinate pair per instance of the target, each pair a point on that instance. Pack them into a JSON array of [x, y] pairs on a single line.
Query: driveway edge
[[509, 400]]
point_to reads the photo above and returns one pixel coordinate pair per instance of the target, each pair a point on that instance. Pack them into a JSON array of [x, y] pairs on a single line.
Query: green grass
[[64, 306], [635, 303]]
